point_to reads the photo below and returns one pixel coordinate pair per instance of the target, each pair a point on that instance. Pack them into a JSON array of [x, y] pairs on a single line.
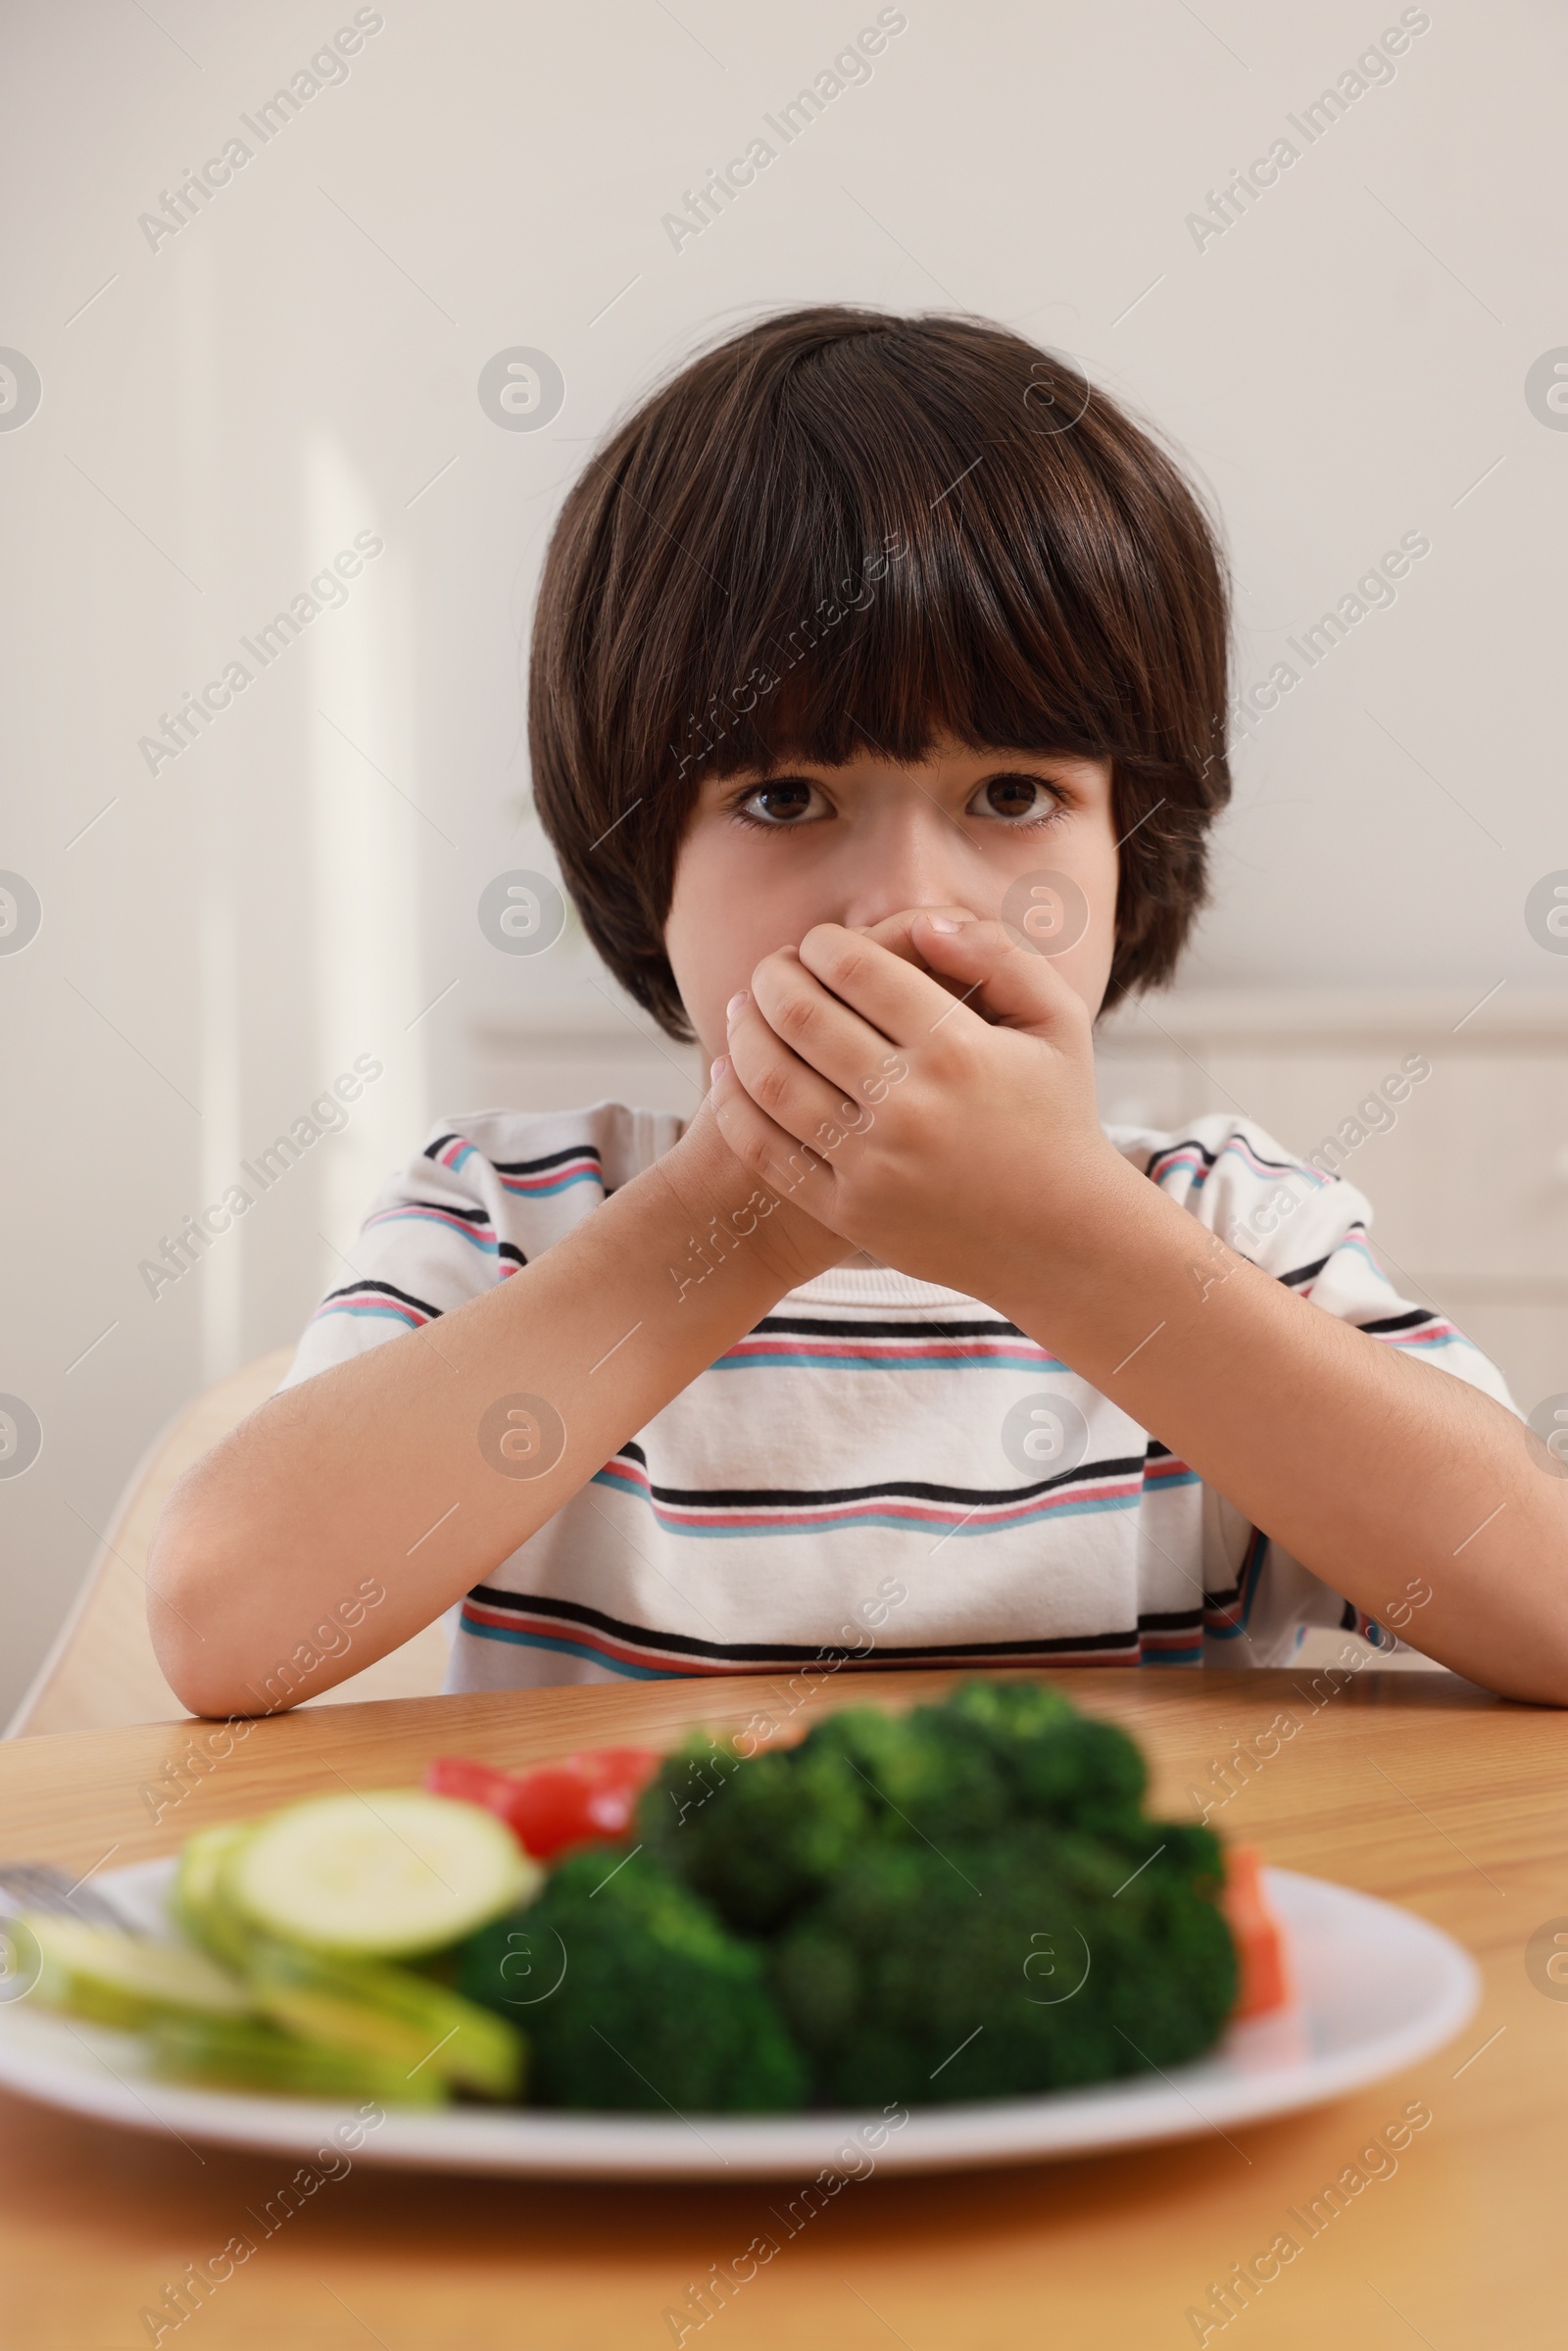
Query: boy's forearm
[[1369, 1468], [425, 1462]]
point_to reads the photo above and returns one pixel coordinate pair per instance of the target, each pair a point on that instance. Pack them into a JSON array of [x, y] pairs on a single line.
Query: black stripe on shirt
[[751, 1652], [579, 1151], [387, 1289], [1301, 1273], [1208, 1157], [909, 1489], [829, 1326], [1309, 1273]]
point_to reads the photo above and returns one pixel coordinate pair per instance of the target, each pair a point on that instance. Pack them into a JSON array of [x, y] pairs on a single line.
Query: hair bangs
[[878, 600]]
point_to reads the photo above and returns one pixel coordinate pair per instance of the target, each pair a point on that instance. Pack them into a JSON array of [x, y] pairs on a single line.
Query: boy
[[877, 719]]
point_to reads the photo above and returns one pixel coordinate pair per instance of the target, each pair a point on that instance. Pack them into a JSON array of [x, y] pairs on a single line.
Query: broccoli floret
[[1007, 1711], [761, 1837], [755, 1836], [658, 2005], [1005, 1968], [1059, 1765]]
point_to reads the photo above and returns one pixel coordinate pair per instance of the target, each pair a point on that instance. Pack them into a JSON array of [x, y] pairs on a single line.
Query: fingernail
[[717, 1070], [735, 1003], [941, 922]]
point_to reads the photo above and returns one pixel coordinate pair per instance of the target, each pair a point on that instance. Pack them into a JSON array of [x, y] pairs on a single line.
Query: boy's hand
[[894, 933], [943, 1118]]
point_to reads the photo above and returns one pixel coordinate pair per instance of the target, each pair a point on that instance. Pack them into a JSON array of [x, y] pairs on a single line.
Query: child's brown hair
[[840, 532]]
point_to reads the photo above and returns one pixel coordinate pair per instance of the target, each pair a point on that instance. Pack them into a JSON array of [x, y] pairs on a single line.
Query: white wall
[[221, 415]]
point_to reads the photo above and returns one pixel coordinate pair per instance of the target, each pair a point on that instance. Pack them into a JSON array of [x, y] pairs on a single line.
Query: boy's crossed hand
[[928, 1086]]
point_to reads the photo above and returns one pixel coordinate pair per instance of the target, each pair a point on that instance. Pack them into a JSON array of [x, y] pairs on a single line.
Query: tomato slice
[[580, 1800], [469, 1782], [1264, 1978]]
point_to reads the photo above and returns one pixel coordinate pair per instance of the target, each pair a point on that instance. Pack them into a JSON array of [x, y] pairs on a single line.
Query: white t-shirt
[[882, 1473]]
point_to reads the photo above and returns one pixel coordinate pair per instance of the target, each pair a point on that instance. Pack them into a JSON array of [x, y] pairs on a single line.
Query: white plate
[[1377, 1988]]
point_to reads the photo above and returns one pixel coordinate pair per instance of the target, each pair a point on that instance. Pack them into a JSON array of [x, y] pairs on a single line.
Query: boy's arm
[[986, 1169], [425, 1462]]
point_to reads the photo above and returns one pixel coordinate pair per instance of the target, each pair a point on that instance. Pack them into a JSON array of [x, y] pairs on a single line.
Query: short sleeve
[[1312, 1232], [488, 1194], [429, 1244]]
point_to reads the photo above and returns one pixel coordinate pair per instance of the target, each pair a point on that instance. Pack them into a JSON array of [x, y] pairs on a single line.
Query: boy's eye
[[781, 804], [1016, 797]]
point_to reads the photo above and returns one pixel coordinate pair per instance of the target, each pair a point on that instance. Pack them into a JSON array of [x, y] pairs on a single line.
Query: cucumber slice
[[387, 1874], [242, 2053], [125, 1980], [391, 2013], [199, 1899]]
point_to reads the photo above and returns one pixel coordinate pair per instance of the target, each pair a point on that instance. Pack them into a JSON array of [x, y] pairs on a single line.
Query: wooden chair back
[[101, 1671]]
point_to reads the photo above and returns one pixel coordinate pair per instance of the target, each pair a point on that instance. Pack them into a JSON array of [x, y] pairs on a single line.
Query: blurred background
[[430, 253]]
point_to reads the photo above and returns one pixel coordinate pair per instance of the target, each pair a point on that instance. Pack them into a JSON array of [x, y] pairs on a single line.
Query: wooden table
[[1413, 1787]]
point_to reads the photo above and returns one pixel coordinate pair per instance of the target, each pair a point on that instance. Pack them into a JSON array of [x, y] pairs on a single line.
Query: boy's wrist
[[1107, 1240], [1129, 1265], [738, 1222]]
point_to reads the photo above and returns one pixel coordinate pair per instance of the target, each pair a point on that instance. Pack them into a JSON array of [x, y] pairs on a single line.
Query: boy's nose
[[924, 863]]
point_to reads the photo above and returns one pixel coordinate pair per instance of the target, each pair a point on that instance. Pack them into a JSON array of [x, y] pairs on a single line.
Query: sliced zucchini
[[244, 2053], [388, 2012], [126, 1980], [199, 1901], [388, 1873]]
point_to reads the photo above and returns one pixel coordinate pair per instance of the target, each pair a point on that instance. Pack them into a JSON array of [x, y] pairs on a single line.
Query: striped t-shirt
[[883, 1472]]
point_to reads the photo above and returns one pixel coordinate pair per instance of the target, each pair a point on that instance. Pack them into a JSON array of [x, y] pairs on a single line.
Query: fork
[[35, 1886]]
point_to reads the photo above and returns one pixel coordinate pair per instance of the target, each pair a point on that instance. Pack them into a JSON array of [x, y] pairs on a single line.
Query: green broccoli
[[1020, 1964], [658, 2005], [1059, 1765], [760, 1838], [971, 1860]]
